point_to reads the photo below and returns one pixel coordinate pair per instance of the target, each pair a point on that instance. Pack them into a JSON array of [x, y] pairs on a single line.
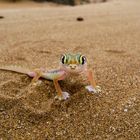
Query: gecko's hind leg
[[36, 74]]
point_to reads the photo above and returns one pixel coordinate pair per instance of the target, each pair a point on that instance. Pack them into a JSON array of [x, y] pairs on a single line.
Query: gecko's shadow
[[71, 87]]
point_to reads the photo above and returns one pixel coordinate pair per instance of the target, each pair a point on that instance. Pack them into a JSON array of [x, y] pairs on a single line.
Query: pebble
[[125, 110]]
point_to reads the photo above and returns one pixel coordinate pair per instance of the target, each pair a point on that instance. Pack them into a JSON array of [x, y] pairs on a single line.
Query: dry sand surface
[[34, 37]]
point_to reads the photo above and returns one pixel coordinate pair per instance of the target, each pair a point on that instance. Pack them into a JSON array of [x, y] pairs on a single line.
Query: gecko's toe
[[65, 95], [90, 88], [37, 83], [97, 89], [58, 98], [34, 84]]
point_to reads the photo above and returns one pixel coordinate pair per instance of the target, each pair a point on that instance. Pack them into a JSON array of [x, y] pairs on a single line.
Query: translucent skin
[[70, 65]]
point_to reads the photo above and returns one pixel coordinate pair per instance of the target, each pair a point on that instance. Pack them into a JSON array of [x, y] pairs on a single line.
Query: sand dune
[[35, 36]]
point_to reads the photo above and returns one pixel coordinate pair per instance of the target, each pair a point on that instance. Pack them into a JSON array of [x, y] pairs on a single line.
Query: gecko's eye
[[82, 60], [63, 59]]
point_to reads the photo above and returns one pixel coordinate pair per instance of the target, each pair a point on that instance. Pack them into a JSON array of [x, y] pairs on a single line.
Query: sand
[[36, 36]]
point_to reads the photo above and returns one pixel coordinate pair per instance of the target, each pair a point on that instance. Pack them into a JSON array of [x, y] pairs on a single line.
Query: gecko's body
[[70, 65]]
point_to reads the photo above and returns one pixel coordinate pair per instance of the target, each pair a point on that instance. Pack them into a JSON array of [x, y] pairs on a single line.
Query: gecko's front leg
[[60, 95], [56, 75], [92, 87]]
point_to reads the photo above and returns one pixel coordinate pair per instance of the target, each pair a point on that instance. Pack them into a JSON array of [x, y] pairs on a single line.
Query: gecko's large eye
[[63, 59], [82, 60]]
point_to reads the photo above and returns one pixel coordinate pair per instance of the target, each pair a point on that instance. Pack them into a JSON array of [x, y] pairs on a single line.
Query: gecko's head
[[73, 63]]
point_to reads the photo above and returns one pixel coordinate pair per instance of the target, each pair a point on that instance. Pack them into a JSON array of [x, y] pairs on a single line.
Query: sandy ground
[[35, 37]]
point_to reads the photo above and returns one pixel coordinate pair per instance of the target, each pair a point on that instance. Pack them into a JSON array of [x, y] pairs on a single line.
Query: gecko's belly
[[53, 74]]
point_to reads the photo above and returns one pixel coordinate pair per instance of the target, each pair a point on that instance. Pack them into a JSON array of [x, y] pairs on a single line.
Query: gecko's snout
[[73, 67]]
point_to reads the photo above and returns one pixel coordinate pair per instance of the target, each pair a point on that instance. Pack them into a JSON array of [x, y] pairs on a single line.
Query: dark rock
[[1, 17], [80, 19]]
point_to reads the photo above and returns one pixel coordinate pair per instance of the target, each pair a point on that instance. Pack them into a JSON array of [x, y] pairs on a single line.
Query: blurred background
[[34, 34], [67, 2]]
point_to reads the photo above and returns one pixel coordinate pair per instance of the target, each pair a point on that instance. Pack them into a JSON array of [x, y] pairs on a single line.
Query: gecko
[[70, 64]]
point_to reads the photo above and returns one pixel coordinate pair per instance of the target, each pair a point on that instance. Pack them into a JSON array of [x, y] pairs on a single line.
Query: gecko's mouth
[[73, 68]]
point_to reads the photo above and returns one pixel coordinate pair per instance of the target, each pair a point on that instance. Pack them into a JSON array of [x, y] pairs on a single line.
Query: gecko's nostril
[[72, 67]]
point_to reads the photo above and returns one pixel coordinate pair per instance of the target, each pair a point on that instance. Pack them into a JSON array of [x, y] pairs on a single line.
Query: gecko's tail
[[17, 69]]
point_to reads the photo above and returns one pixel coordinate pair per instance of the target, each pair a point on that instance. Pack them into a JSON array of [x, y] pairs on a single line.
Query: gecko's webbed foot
[[65, 95], [36, 83], [90, 88]]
